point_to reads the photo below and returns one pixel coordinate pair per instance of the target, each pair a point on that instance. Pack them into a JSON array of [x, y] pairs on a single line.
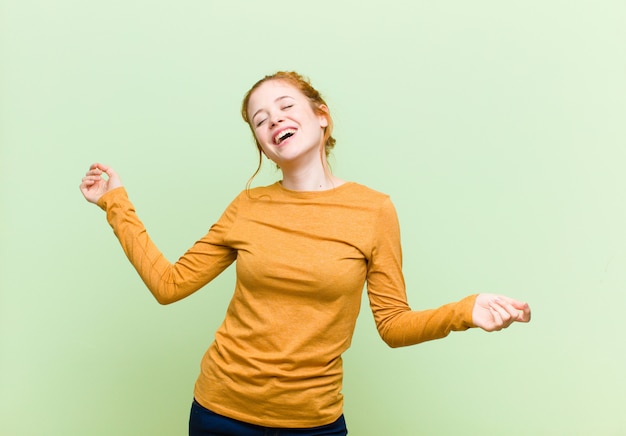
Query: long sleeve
[[397, 324], [302, 261], [169, 282]]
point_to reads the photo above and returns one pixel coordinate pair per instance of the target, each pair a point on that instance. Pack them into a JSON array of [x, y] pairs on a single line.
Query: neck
[[310, 179]]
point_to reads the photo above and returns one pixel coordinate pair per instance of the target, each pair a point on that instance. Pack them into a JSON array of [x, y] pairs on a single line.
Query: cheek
[[261, 146], [258, 140], [259, 135]]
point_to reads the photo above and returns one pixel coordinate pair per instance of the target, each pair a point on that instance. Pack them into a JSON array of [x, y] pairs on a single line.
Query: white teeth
[[281, 136]]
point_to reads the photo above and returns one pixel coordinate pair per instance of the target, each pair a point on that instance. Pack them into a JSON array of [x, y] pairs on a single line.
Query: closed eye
[[260, 123]]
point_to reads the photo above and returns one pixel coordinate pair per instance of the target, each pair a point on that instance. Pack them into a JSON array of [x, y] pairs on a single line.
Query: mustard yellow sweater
[[302, 259]]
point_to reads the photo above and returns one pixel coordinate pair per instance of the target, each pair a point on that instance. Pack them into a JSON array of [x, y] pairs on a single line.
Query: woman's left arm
[[397, 323]]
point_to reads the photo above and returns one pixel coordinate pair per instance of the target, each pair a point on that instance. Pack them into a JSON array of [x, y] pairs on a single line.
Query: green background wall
[[498, 128]]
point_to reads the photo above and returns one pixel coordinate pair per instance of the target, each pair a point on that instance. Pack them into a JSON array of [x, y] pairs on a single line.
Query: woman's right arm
[[168, 282]]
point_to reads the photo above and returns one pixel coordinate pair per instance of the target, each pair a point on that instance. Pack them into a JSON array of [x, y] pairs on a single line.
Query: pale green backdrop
[[498, 128]]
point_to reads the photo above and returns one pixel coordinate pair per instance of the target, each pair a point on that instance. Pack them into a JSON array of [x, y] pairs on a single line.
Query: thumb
[[114, 178], [524, 310]]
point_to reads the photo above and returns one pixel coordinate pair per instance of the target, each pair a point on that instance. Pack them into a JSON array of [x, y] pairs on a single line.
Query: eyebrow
[[278, 99]]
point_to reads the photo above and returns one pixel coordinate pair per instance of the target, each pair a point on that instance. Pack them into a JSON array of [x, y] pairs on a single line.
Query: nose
[[276, 118]]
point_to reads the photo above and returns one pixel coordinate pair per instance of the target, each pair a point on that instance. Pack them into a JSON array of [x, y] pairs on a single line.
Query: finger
[[496, 320], [99, 168], [519, 309], [523, 314], [508, 306], [86, 185], [102, 167], [93, 173], [109, 171], [96, 168], [522, 310], [506, 311], [92, 179]]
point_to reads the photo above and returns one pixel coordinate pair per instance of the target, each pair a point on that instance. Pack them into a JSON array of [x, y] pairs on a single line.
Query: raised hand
[[496, 312], [94, 185]]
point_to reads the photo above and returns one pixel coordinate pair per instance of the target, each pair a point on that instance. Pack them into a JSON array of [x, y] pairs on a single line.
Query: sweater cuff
[[111, 197], [467, 308]]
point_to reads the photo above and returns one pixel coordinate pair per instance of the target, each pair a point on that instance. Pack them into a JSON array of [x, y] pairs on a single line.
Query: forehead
[[269, 91]]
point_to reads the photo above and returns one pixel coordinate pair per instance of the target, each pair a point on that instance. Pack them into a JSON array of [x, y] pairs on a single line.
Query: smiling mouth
[[285, 134]]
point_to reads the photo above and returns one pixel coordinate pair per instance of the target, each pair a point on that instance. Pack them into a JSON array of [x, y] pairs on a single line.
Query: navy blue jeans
[[203, 422]]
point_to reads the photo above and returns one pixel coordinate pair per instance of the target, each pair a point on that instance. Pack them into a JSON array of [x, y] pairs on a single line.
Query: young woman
[[304, 248]]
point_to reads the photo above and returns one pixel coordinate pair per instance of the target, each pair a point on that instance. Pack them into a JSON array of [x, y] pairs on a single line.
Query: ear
[[323, 114]]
